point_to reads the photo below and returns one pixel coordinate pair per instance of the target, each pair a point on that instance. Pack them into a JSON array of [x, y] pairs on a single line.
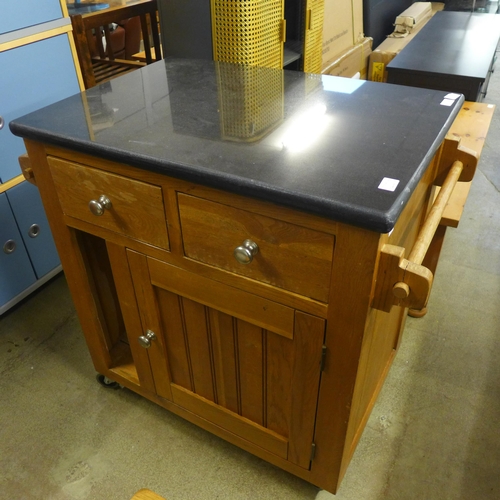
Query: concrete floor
[[434, 433]]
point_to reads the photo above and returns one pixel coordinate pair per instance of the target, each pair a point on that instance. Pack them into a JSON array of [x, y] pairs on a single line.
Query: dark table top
[[349, 150], [452, 43]]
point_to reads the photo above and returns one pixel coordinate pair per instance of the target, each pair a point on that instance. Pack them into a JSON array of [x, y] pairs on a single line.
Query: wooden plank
[[200, 349], [471, 127], [169, 308], [148, 309], [280, 365], [251, 354], [308, 342], [236, 424], [103, 287], [11, 183], [243, 305], [349, 305], [224, 354]]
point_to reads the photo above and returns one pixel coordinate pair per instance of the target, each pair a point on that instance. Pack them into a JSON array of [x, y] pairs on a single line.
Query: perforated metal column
[[248, 32], [257, 107], [313, 37]]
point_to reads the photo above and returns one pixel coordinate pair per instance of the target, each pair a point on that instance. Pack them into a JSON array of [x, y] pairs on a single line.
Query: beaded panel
[[248, 32], [313, 41], [254, 104]]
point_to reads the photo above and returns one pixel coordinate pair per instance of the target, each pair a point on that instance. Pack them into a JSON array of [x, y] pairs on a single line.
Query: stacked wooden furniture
[[98, 62]]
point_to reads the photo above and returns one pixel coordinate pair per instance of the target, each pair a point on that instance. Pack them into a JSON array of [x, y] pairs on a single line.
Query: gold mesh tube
[[248, 32]]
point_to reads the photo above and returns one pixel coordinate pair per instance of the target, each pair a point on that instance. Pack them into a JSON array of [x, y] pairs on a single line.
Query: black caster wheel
[[107, 382]]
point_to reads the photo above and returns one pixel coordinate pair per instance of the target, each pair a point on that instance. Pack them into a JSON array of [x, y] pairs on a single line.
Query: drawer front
[[136, 209], [291, 257], [29, 80]]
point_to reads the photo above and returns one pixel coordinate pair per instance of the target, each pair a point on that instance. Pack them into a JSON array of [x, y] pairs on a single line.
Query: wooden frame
[[104, 67]]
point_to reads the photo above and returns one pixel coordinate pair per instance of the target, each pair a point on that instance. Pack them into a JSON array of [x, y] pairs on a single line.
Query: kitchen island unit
[[234, 241]]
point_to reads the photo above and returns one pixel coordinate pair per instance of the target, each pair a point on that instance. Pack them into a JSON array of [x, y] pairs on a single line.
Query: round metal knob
[[245, 253], [97, 207], [9, 246], [145, 340], [34, 231], [2, 122]]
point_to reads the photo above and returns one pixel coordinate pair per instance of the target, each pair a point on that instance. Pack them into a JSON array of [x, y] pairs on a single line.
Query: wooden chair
[[98, 64]]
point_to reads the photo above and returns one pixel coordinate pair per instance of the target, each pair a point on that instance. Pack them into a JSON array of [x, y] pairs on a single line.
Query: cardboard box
[[413, 17], [342, 27], [352, 62], [392, 46]]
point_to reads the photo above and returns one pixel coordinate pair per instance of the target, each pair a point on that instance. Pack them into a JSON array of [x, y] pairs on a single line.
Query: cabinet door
[[32, 76], [28, 210], [16, 273], [313, 36], [244, 363], [16, 15]]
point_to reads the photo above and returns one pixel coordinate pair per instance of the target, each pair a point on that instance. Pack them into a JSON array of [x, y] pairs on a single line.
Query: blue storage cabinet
[[26, 205], [17, 15], [15, 266], [42, 74], [38, 69]]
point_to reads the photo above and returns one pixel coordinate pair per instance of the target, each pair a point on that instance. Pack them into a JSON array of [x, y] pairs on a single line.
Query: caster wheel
[[107, 382]]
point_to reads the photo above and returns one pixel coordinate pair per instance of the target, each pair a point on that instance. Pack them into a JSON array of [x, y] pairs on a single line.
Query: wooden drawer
[[136, 210], [291, 257]]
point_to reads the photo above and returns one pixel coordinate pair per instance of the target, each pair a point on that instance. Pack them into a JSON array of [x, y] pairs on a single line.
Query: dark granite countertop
[[349, 150]]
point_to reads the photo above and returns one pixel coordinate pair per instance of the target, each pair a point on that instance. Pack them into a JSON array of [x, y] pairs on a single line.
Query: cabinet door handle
[[97, 207], [244, 254], [145, 340], [34, 231], [9, 246]]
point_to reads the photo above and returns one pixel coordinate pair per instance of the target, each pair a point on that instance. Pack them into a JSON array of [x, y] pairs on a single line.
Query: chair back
[[98, 61]]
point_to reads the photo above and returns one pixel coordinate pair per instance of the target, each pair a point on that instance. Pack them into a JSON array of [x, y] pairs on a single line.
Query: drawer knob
[[97, 207], [244, 254], [145, 340]]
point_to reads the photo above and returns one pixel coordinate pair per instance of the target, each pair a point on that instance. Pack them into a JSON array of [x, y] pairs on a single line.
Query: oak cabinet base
[[283, 356]]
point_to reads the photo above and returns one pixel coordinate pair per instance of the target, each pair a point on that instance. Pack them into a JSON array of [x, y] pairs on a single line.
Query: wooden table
[[217, 276], [454, 51]]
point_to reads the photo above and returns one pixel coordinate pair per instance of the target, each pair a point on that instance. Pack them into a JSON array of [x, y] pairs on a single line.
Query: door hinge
[[313, 451], [323, 357]]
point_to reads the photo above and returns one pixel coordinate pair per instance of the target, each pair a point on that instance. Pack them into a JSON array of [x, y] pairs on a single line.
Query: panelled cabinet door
[[36, 75], [35, 232], [16, 273], [16, 15], [256, 378]]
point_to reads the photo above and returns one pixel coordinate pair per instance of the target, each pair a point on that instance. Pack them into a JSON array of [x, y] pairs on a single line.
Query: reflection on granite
[[317, 143]]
